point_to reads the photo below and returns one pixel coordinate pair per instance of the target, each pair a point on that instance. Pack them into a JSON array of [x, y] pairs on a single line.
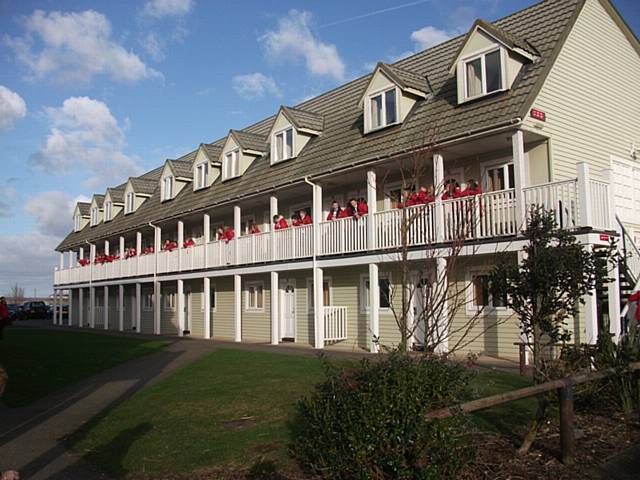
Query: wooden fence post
[[567, 437]]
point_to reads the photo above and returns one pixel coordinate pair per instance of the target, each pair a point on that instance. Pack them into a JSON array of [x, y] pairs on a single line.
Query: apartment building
[[540, 107]]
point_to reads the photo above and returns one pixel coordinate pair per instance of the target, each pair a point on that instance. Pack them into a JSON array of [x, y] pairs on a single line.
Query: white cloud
[[12, 108], [429, 36], [75, 47], [85, 138], [51, 212], [167, 8], [294, 40], [154, 46], [9, 194], [254, 85]]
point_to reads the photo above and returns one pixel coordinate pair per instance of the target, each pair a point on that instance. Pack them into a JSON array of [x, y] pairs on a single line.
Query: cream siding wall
[[197, 304], [168, 317], [114, 322], [256, 325], [75, 307], [129, 305], [591, 96], [223, 318], [146, 315]]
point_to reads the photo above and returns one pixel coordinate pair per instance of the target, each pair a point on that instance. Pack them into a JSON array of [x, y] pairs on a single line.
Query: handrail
[[565, 393], [628, 243]]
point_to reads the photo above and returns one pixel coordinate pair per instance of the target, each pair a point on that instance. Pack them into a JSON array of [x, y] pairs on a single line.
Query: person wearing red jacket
[[335, 211], [229, 234], [363, 208], [425, 195], [409, 199], [472, 189], [4, 315], [452, 190], [253, 228], [189, 243], [304, 218], [279, 223], [634, 300]]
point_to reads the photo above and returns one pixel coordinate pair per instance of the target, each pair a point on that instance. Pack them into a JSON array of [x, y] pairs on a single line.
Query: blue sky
[[93, 92]]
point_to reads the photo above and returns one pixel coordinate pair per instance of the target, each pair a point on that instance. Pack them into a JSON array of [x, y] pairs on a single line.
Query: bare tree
[[16, 294]]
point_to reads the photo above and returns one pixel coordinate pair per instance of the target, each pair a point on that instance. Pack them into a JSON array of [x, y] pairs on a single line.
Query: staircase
[[629, 268]]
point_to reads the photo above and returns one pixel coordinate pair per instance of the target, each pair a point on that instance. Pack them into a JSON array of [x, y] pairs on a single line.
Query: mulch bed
[[598, 439]]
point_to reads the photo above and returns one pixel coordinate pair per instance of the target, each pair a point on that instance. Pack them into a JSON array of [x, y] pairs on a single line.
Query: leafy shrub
[[368, 422]]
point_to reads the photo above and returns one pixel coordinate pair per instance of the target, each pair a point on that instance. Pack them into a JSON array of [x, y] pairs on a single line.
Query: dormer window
[[108, 208], [483, 74], [202, 175], [130, 202], [167, 188], [383, 109], [76, 223], [94, 216], [282, 146], [231, 166]]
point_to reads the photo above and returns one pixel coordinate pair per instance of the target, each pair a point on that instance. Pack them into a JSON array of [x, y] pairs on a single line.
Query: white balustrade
[[415, 224], [254, 248], [561, 197], [146, 264], [335, 323], [343, 235], [293, 242], [600, 212]]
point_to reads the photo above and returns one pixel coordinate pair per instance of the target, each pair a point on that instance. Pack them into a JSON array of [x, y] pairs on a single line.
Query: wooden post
[[567, 436]]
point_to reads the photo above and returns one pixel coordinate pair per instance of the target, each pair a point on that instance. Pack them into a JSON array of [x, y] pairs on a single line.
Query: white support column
[[138, 250], [81, 254], [70, 308], [92, 253], [61, 265], [613, 287], [180, 307], [438, 185], [520, 176], [81, 320], [590, 311], [372, 201], [607, 175], [442, 323], [206, 231], [157, 241], [237, 223], [157, 306], [318, 310], [106, 247], [207, 306], [237, 310], [92, 307], [121, 307], [584, 194], [121, 248], [180, 243], [317, 218], [275, 311], [106, 307], [273, 210], [374, 307], [138, 319], [55, 307]]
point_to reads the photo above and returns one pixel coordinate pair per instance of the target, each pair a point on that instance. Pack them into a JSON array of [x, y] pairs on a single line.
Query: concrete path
[[31, 438]]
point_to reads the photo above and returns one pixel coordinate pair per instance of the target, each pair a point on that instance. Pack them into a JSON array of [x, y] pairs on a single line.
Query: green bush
[[368, 422]]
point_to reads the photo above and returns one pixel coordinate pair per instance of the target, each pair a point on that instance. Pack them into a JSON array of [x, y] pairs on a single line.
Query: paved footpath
[[31, 438]]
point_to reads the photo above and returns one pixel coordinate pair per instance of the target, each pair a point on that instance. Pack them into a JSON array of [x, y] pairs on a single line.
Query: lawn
[[41, 361], [231, 407]]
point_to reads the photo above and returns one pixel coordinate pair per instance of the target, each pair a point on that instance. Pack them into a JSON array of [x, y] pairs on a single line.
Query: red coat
[[254, 229], [281, 224], [4, 312], [363, 209], [456, 194], [424, 197], [307, 220], [229, 234], [635, 297], [470, 192], [333, 214]]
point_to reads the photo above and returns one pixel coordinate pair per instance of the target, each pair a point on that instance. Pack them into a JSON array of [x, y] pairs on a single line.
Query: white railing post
[[275, 312], [55, 306], [92, 307], [70, 308], [138, 251], [106, 248], [157, 301], [591, 316], [106, 308], [438, 208], [180, 244], [180, 307], [584, 194], [237, 223], [442, 323], [206, 230], [138, 301], [206, 281], [613, 291], [237, 311], [607, 174], [372, 202], [520, 177], [318, 313], [81, 319], [121, 307], [374, 306], [273, 210], [61, 266]]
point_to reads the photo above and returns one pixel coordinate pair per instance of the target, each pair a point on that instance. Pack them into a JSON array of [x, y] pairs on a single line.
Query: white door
[[419, 301], [288, 309], [626, 187]]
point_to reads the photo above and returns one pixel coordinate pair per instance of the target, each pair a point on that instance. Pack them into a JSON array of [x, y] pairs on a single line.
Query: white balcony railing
[[485, 216], [335, 323]]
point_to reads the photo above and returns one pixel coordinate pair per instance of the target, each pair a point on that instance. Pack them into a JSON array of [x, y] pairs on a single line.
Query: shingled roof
[[405, 78], [181, 169], [99, 199], [85, 208], [116, 194], [213, 150], [143, 186], [250, 141], [342, 144], [304, 119]]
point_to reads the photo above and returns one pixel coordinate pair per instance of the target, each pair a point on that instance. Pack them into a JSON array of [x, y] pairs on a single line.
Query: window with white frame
[[202, 175], [167, 188], [499, 176], [147, 301], [231, 166], [130, 202], [480, 296], [282, 145], [384, 286], [212, 299], [169, 300], [483, 74], [255, 296], [108, 208], [382, 109], [326, 293], [94, 216], [76, 223]]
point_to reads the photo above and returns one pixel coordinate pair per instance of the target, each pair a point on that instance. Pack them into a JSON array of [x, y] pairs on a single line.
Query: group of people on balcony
[[426, 195], [354, 209]]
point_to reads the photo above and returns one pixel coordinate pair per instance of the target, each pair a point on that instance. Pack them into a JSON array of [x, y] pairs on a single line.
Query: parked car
[[35, 310]]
